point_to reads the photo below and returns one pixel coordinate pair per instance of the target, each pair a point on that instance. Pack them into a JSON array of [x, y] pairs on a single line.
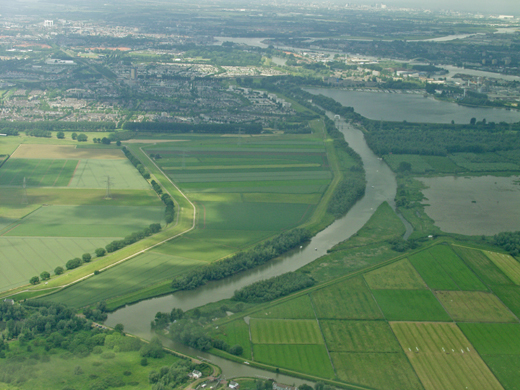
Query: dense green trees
[[211, 128], [134, 237], [7, 126], [242, 261], [510, 241], [275, 287], [74, 263]]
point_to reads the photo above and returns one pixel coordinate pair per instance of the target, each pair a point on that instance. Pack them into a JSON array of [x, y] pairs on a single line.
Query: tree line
[[275, 287], [211, 128], [242, 260], [57, 126], [510, 241]]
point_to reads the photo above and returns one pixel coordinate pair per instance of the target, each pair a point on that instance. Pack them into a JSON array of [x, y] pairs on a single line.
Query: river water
[[412, 107], [381, 186]]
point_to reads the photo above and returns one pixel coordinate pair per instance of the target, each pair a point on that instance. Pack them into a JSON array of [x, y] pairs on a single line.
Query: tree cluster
[[173, 376], [242, 261], [275, 287], [211, 128], [56, 126], [132, 238], [510, 241]]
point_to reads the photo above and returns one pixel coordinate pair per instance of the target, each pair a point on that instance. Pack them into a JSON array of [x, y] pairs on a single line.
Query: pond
[[473, 205]]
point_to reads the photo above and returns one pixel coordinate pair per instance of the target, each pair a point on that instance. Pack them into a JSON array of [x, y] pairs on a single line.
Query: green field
[[384, 371], [270, 186], [272, 331], [308, 359], [92, 173], [441, 164], [26, 257], [410, 305], [508, 265], [298, 308], [443, 358], [399, 275], [350, 299], [482, 266], [418, 164], [252, 216], [432, 271], [472, 306], [510, 295], [236, 333], [505, 368], [455, 268], [359, 336], [132, 275], [87, 221], [493, 339], [37, 172]]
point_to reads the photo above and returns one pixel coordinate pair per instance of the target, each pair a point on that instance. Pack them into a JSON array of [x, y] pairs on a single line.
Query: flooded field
[[474, 205]]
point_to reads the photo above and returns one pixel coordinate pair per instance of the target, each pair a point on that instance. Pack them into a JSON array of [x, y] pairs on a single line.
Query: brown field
[[443, 358], [65, 152]]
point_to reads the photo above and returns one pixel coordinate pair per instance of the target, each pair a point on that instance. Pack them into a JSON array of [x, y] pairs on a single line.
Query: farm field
[[129, 276], [432, 272], [37, 172], [410, 305], [493, 339], [510, 295], [443, 358], [399, 275], [469, 306], [385, 371], [93, 173], [29, 256], [31, 151], [298, 308], [486, 270], [236, 333], [505, 368], [507, 264], [350, 299], [87, 221], [359, 336], [310, 359], [273, 331]]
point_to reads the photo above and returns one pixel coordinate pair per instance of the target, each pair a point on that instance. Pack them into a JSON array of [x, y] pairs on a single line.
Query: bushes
[[74, 263], [58, 270], [243, 260], [132, 238], [34, 280], [86, 257]]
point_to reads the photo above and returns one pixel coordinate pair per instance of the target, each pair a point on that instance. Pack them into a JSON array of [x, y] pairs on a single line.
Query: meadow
[[432, 272], [507, 264], [493, 339], [236, 333], [29, 256], [410, 305], [510, 296], [297, 308], [473, 306], [37, 173], [272, 331], [443, 358], [350, 299], [399, 275], [486, 270]]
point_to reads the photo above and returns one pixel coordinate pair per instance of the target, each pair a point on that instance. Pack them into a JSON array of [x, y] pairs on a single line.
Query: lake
[[412, 107], [473, 205]]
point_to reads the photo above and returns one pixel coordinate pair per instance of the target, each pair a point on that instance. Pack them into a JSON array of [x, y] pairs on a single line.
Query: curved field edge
[[185, 222]]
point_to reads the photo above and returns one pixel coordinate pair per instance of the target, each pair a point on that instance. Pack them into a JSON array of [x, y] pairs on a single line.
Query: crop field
[[10, 197], [272, 331], [493, 339], [309, 359], [473, 306], [441, 164], [25, 257], [432, 271], [418, 164], [350, 299], [455, 268], [93, 174], [244, 175], [410, 305], [398, 275], [65, 152], [268, 186], [507, 264], [482, 266], [510, 295], [384, 371], [443, 358], [505, 368], [359, 336], [298, 308], [253, 216], [37, 173], [87, 221], [128, 276], [236, 333]]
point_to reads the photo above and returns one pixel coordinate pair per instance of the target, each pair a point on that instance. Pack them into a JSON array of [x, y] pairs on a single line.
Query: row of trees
[[132, 238], [211, 128], [136, 163], [242, 261], [57, 126], [275, 287]]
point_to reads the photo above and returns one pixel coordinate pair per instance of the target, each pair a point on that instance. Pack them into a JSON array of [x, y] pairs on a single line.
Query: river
[[381, 186]]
